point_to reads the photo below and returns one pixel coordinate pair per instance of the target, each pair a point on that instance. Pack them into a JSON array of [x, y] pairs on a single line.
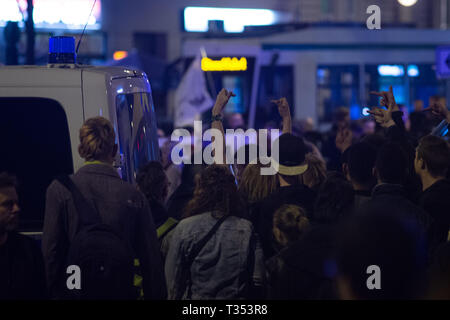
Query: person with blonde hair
[[92, 197], [289, 224], [316, 173], [254, 186]]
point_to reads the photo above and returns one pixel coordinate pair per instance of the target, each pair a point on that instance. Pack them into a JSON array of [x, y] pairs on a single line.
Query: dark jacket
[[22, 273], [304, 270], [398, 134], [159, 213], [361, 198], [436, 201], [299, 195], [120, 206], [179, 199], [392, 198]]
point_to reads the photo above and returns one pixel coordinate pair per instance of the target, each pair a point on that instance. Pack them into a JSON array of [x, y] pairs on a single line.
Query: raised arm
[[285, 113], [216, 122]]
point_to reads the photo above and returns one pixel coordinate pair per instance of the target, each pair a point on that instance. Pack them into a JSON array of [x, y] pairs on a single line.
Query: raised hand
[[440, 110], [384, 116], [283, 107], [221, 101], [387, 99], [285, 113]]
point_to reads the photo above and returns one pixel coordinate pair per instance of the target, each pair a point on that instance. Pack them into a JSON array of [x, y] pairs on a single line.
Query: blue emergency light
[[61, 50]]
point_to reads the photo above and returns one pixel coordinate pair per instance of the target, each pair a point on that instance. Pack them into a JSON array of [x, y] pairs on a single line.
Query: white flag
[[191, 96]]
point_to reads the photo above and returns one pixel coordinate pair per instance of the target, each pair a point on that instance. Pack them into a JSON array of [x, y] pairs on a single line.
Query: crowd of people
[[364, 214]]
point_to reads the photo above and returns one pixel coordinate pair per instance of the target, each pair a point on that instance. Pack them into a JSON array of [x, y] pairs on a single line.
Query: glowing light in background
[[61, 14], [407, 3], [224, 64], [10, 11], [365, 111], [413, 70], [119, 55], [196, 18], [391, 70]]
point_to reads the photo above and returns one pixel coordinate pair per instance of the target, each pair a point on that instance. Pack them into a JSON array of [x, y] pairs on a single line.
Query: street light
[[407, 3]]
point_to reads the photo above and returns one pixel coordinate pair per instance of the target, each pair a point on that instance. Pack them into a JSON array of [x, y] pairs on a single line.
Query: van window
[[35, 147], [138, 141]]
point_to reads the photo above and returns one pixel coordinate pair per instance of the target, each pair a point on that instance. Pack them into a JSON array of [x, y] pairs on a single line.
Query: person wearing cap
[[291, 165]]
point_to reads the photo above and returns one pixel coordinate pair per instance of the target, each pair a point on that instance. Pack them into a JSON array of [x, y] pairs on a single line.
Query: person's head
[[380, 256], [235, 121], [254, 186], [9, 203], [302, 126], [418, 105], [368, 126], [215, 190], [316, 173], [341, 117], [361, 161], [292, 153], [391, 165], [97, 140], [152, 182], [334, 200], [376, 140], [190, 171], [289, 224], [432, 157]]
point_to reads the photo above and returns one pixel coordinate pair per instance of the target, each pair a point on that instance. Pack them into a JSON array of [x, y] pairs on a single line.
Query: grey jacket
[[227, 267], [121, 206]]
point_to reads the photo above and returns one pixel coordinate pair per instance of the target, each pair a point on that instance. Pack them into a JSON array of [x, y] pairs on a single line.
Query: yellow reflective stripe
[[165, 227], [96, 162], [137, 281]]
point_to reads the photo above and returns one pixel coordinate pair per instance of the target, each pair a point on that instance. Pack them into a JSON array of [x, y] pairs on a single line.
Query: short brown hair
[[435, 152], [292, 221], [97, 139]]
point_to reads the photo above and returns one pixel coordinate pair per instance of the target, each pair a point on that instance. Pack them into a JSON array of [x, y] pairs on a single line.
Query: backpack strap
[[196, 250], [199, 245], [86, 212], [166, 227]]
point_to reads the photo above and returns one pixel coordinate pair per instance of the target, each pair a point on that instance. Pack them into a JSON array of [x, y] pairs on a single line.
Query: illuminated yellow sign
[[224, 64]]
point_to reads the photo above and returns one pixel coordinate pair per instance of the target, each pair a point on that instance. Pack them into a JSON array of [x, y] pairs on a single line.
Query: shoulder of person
[[23, 241], [57, 190]]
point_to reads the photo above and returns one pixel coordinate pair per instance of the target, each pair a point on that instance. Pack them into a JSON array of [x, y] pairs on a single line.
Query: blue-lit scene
[[224, 155]]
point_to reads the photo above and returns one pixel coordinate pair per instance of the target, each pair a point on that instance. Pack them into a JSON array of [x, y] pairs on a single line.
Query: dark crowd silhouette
[[368, 200]]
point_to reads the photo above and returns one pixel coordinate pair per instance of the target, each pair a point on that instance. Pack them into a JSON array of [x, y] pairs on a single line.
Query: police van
[[43, 107]]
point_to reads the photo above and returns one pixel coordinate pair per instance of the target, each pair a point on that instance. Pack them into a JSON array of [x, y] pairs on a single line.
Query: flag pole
[[209, 78]]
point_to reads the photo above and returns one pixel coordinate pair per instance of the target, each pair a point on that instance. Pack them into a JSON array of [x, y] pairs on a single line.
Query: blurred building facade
[[321, 58], [121, 19]]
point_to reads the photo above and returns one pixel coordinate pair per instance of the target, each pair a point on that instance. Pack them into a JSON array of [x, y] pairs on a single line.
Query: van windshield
[[35, 147]]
